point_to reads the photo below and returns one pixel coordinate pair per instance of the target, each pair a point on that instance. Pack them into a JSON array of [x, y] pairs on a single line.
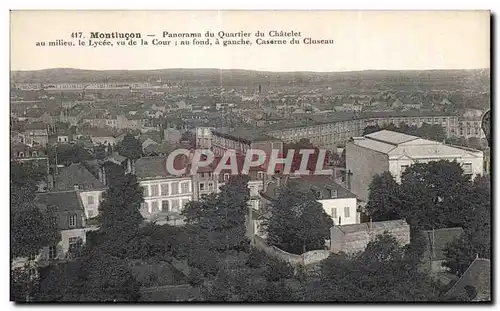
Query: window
[[174, 188], [333, 193], [154, 207], [202, 186], [210, 186], [164, 189], [226, 176], [175, 205], [260, 175], [90, 199], [145, 191], [467, 167], [347, 212], [72, 221], [91, 213], [444, 120], [403, 168], [334, 213], [52, 252], [34, 153], [165, 206], [74, 243], [154, 190], [185, 187]]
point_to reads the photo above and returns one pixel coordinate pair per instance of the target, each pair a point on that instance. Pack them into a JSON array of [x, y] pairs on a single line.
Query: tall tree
[[298, 223], [382, 204], [130, 147], [378, 274], [434, 195]]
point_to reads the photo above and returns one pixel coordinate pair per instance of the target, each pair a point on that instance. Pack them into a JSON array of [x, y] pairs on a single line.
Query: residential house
[[66, 210], [354, 238], [394, 152], [37, 133], [165, 195], [77, 178], [339, 203]]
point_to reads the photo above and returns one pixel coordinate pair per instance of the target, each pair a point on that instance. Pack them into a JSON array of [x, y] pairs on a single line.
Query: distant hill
[[476, 79]]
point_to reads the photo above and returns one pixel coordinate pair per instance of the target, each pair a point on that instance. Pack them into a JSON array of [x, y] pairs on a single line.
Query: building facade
[[387, 151]]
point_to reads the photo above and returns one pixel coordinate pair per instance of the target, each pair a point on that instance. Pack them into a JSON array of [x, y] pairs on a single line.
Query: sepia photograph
[[250, 156]]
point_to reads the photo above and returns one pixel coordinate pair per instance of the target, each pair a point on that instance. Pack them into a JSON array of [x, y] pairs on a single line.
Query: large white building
[[165, 195], [393, 152]]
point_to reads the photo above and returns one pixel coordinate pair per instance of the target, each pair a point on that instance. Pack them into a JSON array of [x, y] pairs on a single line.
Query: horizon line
[[251, 70]]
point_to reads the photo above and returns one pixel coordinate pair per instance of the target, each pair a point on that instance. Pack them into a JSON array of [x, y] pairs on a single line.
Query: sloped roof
[[164, 147], [374, 225], [390, 137], [64, 201], [156, 167], [477, 275], [305, 184], [76, 174]]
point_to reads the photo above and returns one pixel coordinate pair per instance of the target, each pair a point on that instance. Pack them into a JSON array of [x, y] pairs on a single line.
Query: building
[[241, 140], [475, 283], [338, 128], [165, 195], [354, 238], [387, 151], [37, 133], [77, 178], [339, 203], [204, 137]]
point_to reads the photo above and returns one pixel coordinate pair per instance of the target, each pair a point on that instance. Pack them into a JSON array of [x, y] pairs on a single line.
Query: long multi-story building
[[241, 140], [339, 128]]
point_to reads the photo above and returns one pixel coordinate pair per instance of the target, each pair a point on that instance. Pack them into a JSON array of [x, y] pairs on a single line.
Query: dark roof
[[156, 167], [64, 201], [245, 135], [477, 275], [439, 238], [116, 158], [159, 148], [324, 184], [36, 126], [76, 174]]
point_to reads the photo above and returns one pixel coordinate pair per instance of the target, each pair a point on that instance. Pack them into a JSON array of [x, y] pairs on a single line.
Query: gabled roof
[[477, 275], [76, 174]]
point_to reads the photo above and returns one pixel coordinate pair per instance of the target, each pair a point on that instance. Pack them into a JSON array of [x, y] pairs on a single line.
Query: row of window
[[164, 189], [347, 212], [164, 205]]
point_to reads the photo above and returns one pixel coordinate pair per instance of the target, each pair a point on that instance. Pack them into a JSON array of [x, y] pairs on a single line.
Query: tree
[[476, 239], [434, 195], [380, 273], [130, 147], [298, 223], [100, 152], [66, 154], [24, 179], [382, 204], [31, 230], [221, 218]]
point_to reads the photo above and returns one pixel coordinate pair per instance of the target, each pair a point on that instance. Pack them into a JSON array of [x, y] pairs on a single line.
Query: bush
[[255, 258], [195, 277], [276, 270]]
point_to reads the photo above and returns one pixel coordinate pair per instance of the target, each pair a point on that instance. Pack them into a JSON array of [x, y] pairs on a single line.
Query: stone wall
[[354, 238]]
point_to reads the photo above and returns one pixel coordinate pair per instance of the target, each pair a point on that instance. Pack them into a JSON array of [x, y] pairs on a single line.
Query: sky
[[363, 40]]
